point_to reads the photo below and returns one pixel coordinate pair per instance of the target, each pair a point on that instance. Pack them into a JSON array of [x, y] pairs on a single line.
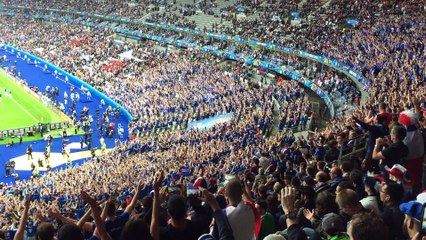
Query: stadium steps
[[324, 4], [146, 16], [190, 2], [269, 80], [220, 5], [203, 20], [301, 3]]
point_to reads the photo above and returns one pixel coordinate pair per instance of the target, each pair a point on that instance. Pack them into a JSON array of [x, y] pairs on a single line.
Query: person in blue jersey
[[10, 232], [30, 230], [115, 224]]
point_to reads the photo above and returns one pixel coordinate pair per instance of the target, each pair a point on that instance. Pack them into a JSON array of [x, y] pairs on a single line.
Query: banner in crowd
[[210, 122]]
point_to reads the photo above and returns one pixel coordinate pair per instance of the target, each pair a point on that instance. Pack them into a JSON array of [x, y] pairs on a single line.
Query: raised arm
[[104, 213], [155, 217], [416, 105], [363, 125], [377, 151], [225, 230], [100, 226], [132, 204], [57, 215], [246, 189], [288, 199], [21, 229]]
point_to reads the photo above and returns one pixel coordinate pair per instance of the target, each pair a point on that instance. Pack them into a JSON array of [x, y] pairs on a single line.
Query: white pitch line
[[11, 97], [25, 110]]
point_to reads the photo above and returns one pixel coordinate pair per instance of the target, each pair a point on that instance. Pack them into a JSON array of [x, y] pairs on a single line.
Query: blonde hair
[[347, 198]]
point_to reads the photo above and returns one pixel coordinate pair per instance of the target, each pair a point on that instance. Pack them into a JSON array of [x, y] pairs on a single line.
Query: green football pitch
[[22, 109]]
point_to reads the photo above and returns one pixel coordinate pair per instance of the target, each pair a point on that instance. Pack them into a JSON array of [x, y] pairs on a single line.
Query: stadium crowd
[[276, 187], [202, 90]]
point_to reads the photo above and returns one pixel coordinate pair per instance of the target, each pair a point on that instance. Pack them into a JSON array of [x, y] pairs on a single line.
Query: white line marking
[[6, 74], [25, 110]]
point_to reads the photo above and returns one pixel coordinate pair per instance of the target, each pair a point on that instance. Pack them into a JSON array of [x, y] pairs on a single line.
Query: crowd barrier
[[72, 79], [353, 149], [33, 130]]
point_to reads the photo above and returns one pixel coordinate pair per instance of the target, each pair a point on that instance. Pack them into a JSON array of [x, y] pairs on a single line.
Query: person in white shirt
[[242, 215], [65, 97], [264, 162]]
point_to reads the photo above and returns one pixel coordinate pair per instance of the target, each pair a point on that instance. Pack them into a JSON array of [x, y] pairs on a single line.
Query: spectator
[[288, 198], [267, 225], [376, 131], [242, 215], [321, 178], [349, 204], [415, 143], [336, 176], [334, 227], [45, 231], [344, 185], [370, 202], [135, 229], [383, 112], [115, 224], [395, 152], [365, 227], [413, 216], [399, 175], [391, 195], [197, 94], [179, 227], [333, 152], [324, 204], [346, 169]]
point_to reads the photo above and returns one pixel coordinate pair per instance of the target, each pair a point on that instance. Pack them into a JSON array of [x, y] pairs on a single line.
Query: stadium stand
[[357, 176]]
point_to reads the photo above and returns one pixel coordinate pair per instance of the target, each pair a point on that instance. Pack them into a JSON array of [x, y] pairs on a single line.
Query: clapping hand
[[379, 141], [87, 198], [308, 214], [158, 180], [28, 201], [161, 193], [53, 213], [208, 198], [141, 186]]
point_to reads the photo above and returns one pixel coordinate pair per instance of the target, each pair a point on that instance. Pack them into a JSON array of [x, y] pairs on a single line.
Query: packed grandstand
[[279, 168]]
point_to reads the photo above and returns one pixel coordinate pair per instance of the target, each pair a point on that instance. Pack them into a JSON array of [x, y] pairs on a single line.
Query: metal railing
[[32, 130], [352, 148]]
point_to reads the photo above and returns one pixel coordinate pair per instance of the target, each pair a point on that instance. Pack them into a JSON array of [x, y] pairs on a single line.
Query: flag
[[185, 171]]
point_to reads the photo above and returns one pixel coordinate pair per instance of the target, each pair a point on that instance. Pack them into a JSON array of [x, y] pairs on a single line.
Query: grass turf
[[23, 109]]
